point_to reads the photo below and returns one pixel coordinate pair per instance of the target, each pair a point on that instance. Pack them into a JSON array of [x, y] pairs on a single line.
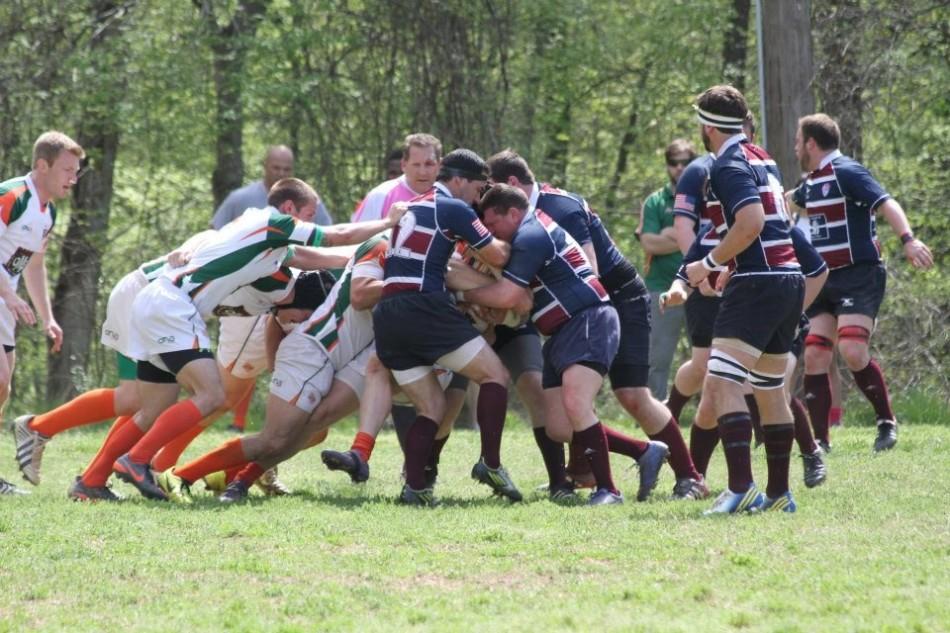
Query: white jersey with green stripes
[[252, 247], [336, 326]]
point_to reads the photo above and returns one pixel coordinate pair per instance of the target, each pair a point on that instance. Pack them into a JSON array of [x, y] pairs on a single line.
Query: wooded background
[[176, 101]]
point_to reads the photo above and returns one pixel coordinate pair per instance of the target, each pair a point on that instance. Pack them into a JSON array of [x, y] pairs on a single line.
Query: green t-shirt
[[657, 215]]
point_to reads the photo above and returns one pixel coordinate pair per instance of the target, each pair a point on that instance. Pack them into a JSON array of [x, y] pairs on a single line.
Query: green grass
[[869, 551]]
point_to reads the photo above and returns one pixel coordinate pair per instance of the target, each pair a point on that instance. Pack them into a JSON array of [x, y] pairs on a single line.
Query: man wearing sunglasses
[[663, 257]]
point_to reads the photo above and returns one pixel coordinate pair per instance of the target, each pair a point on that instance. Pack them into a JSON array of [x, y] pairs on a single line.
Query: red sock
[[871, 382], [363, 444], [231, 473], [834, 416], [756, 418], [702, 444], [229, 454], [806, 441], [490, 411], [778, 452], [735, 431], [818, 400], [240, 409], [122, 437], [418, 448], [88, 408], [174, 421], [617, 442], [249, 474], [168, 456], [680, 460]]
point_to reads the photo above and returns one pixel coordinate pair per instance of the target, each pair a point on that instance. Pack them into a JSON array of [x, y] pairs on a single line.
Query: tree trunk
[[839, 77], [229, 45], [77, 287], [787, 90], [734, 47]]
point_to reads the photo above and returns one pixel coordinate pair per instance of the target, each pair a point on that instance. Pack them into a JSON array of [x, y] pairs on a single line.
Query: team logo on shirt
[[825, 188]]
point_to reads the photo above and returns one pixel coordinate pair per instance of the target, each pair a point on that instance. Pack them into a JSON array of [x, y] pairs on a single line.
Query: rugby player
[[761, 304], [27, 216], [841, 199]]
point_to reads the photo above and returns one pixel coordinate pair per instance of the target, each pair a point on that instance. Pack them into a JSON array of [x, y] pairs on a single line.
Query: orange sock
[[93, 406], [229, 454], [168, 456], [319, 437], [240, 410], [232, 472], [250, 473], [363, 444], [174, 421], [122, 436]]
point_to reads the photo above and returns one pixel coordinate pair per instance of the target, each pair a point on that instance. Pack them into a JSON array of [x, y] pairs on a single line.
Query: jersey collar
[[828, 158], [445, 190], [732, 140], [533, 198]]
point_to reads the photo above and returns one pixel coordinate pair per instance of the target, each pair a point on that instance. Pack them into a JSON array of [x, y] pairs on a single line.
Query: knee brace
[[766, 381], [854, 333], [817, 340], [724, 366]]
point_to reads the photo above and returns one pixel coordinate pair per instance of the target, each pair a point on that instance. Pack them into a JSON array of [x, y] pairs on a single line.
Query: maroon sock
[[680, 460], [617, 442], [577, 464], [806, 441], [436, 454], [594, 442], [419, 442], [702, 444], [553, 455], [491, 410], [735, 431], [778, 452], [870, 381], [676, 402], [817, 389], [756, 418]]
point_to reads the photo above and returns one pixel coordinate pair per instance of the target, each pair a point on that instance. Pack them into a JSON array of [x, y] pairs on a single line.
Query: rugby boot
[[605, 497], [735, 502], [271, 485], [824, 446], [30, 445], [563, 495], [176, 488], [78, 491], [349, 462], [234, 493], [6, 488], [815, 470], [886, 435], [424, 498], [216, 481], [689, 488], [783, 503], [140, 476], [649, 466], [497, 479]]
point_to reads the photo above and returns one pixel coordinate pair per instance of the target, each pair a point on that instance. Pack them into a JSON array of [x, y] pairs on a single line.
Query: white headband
[[718, 120]]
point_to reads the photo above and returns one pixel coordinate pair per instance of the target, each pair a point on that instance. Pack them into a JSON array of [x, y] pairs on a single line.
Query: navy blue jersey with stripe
[[745, 174], [690, 198], [545, 258], [841, 197], [575, 216], [424, 240]]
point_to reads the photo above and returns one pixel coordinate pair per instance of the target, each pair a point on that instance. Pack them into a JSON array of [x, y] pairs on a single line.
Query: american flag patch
[[682, 201], [479, 227]]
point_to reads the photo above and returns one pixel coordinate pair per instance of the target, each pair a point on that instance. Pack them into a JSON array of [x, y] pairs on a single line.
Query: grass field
[[869, 551]]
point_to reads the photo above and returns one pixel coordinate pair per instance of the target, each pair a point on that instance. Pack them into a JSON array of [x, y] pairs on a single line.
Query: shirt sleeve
[[735, 187], [459, 218], [370, 263], [858, 184], [689, 192], [529, 250], [652, 214], [810, 260]]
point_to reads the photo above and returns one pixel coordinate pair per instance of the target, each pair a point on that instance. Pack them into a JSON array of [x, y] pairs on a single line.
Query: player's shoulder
[[14, 187], [373, 245], [384, 188]]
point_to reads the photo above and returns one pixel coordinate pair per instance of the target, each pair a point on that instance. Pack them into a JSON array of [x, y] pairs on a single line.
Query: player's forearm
[[315, 258], [683, 227], [501, 294], [34, 276], [461, 276], [895, 216], [354, 232]]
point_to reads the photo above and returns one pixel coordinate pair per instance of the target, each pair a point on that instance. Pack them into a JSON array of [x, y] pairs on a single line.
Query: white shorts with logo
[[117, 328], [304, 371], [241, 349], [165, 320]]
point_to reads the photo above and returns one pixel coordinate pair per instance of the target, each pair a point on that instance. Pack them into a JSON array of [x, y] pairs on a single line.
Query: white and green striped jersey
[[259, 296], [336, 323], [252, 247], [24, 225]]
